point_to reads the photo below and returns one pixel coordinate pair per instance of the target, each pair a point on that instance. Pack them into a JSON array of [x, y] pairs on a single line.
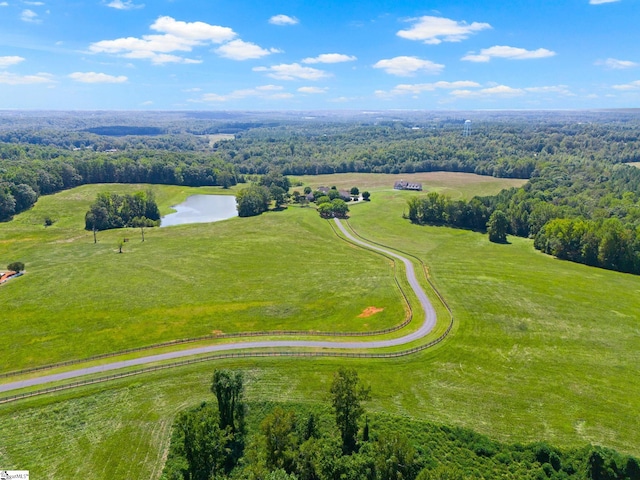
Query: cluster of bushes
[[336, 208], [274, 187], [256, 198], [263, 441], [15, 267], [111, 210], [332, 203]]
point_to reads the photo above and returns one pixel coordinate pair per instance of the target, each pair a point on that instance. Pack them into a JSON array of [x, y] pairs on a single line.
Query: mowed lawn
[[542, 350], [456, 185], [281, 271], [545, 349]]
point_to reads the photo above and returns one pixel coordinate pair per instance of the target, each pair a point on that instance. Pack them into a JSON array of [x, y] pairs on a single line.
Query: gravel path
[[425, 328]]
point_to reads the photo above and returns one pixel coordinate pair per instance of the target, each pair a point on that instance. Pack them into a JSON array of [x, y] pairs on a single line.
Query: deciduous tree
[[497, 227], [347, 395], [281, 441], [253, 200], [15, 267], [228, 389], [205, 443]]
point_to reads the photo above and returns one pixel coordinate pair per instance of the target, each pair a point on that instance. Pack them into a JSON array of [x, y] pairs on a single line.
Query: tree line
[[28, 171], [233, 439], [514, 148], [574, 163], [605, 243]]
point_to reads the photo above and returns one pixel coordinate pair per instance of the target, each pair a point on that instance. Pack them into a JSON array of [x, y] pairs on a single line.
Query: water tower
[[467, 128]]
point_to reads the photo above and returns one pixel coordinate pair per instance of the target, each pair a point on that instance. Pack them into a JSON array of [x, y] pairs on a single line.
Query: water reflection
[[202, 209]]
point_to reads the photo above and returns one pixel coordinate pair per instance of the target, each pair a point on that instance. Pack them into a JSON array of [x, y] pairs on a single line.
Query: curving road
[[425, 328]]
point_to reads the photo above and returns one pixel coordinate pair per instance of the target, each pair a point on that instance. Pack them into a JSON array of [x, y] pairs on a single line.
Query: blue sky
[[304, 55]]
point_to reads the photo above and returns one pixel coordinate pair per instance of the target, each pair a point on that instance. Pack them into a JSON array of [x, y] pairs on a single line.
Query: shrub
[[16, 266]]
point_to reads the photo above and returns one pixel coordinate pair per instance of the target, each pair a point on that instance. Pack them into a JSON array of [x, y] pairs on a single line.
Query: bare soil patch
[[369, 311]]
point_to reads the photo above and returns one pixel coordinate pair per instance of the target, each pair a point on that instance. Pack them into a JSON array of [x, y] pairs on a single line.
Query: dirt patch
[[367, 312]]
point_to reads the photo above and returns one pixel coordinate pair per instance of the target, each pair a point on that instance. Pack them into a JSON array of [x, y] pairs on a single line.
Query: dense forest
[[228, 438], [576, 162], [587, 212]]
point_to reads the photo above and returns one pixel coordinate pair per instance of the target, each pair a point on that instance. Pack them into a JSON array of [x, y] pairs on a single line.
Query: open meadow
[[280, 271], [541, 350]]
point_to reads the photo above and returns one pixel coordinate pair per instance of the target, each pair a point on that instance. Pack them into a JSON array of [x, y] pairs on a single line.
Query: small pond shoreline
[[201, 209]]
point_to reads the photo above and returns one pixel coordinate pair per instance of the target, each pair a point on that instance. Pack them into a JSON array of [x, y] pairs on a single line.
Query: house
[[344, 195], [402, 185]]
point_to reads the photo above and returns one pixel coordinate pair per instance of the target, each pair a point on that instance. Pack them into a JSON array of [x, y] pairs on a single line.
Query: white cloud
[[496, 91], [283, 20], [35, 4], [614, 64], [124, 5], [4, 4], [293, 71], [194, 31], [559, 89], [269, 92], [416, 89], [175, 36], [343, 99], [9, 61], [505, 91], [147, 103], [435, 30], [240, 50], [330, 58], [628, 86], [510, 53], [313, 90], [270, 88], [600, 2], [280, 96], [408, 66], [13, 79], [29, 16], [93, 77]]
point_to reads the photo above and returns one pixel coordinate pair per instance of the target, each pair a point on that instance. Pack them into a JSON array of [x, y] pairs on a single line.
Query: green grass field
[[542, 349], [456, 185], [280, 271]]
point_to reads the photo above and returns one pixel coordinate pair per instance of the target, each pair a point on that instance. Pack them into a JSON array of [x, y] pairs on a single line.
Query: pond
[[202, 209]]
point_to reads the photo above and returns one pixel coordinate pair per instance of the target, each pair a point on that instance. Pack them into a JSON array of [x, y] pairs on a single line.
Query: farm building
[[402, 185]]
